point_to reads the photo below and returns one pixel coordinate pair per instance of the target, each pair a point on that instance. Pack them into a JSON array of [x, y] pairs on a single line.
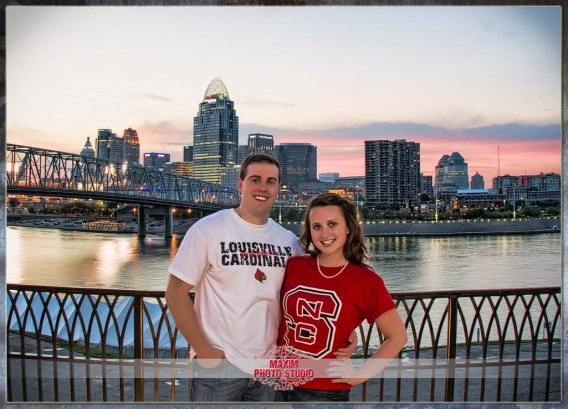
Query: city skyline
[[454, 79]]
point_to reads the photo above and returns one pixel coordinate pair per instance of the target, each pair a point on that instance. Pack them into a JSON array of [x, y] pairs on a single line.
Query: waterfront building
[[88, 150], [188, 153], [426, 185], [532, 189], [155, 160], [328, 177], [180, 168], [230, 176], [345, 193], [392, 173], [518, 186], [477, 198], [451, 173], [350, 182], [215, 133], [477, 181], [306, 190], [109, 146], [131, 146], [542, 197], [298, 162]]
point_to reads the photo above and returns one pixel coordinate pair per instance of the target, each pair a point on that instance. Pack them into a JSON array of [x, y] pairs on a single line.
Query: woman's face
[[328, 228]]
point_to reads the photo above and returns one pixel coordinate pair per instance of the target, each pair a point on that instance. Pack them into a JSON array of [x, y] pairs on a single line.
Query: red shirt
[[318, 313]]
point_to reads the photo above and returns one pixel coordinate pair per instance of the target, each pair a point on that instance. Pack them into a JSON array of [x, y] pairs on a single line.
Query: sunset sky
[[476, 80]]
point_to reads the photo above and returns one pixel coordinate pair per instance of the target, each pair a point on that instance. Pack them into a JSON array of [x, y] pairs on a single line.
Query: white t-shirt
[[237, 268]]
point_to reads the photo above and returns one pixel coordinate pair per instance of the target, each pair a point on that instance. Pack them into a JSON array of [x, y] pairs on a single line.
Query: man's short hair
[[257, 158]]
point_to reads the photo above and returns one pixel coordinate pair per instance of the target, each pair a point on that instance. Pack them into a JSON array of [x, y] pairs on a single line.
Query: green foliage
[[530, 211], [289, 214], [553, 210]]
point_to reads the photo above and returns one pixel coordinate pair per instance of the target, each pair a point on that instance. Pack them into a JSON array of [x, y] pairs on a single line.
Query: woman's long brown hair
[[354, 250]]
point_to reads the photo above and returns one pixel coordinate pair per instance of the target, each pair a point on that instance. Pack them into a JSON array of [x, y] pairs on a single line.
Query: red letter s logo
[[310, 314]]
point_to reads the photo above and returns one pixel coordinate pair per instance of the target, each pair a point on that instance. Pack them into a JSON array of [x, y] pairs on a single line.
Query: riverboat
[[103, 225]]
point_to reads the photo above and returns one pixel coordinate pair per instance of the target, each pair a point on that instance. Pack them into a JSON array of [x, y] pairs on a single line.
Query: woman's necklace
[[335, 275]]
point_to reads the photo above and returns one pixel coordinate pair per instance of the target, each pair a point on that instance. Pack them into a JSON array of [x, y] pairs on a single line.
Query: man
[[236, 258]]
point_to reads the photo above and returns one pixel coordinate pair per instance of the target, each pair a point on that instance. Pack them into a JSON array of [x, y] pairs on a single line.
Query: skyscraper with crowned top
[[215, 133]]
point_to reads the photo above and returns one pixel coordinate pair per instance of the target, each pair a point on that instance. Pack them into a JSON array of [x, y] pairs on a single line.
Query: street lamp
[[280, 205], [436, 199], [514, 206]]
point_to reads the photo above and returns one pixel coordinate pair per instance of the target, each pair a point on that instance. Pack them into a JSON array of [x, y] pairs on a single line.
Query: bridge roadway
[[44, 172]]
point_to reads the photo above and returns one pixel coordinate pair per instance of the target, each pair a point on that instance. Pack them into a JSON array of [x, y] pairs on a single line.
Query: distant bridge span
[[45, 172]]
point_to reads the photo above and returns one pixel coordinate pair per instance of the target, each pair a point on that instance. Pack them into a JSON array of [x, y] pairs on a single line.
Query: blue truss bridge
[[46, 172]]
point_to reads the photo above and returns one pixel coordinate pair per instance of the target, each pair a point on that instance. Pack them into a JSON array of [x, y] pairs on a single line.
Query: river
[[113, 260]]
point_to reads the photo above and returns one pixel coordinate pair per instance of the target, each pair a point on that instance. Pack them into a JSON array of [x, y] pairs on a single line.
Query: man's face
[[259, 191]]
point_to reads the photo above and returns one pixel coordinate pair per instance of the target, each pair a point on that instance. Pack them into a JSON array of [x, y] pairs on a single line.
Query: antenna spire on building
[[498, 163]]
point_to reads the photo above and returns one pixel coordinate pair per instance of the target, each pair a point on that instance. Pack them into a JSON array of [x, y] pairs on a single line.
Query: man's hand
[[210, 358], [345, 353]]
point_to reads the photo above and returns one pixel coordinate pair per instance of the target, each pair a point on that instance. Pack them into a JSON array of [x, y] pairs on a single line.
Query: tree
[[364, 212], [530, 211]]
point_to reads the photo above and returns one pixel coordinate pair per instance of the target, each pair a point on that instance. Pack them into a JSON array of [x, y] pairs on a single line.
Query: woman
[[328, 293]]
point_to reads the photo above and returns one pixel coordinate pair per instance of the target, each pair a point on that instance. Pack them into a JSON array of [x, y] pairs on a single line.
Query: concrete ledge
[[458, 228]]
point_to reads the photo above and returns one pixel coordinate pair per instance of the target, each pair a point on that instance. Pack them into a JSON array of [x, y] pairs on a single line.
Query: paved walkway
[[64, 382]]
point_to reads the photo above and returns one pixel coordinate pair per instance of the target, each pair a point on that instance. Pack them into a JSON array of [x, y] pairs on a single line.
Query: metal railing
[[108, 345]]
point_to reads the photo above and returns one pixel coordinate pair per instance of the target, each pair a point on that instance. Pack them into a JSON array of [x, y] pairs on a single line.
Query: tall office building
[[188, 153], [109, 146], [215, 133], [155, 160], [230, 176], [392, 173], [258, 143], [180, 168], [298, 163], [477, 181], [131, 146], [426, 185], [88, 150], [242, 152], [451, 173], [261, 142]]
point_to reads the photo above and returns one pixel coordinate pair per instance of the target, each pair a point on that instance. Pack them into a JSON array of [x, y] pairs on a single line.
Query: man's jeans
[[226, 383]]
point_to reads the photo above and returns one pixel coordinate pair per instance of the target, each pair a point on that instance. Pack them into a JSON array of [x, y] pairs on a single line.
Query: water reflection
[[111, 257], [67, 258]]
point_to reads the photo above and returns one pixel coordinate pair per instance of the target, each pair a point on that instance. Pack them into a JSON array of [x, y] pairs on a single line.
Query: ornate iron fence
[[107, 345]]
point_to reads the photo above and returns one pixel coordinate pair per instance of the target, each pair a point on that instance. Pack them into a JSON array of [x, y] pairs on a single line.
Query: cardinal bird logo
[[259, 275]]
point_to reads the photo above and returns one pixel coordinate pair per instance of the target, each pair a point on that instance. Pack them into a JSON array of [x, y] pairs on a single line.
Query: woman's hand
[[344, 372]]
